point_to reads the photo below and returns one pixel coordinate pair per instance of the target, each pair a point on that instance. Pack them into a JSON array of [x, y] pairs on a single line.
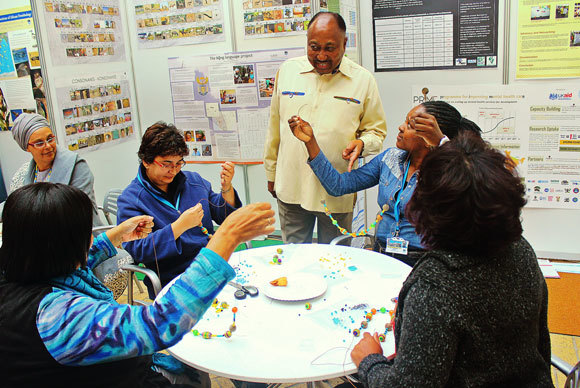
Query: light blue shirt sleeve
[[79, 330], [100, 251]]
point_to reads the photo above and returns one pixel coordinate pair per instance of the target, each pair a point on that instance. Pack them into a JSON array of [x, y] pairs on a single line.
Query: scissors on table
[[243, 290]]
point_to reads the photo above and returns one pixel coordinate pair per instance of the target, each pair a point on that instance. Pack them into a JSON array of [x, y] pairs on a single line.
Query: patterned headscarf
[[25, 125]]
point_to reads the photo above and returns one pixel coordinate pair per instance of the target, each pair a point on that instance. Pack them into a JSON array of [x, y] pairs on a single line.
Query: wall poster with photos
[[95, 110], [178, 22], [274, 18], [84, 31], [22, 87], [222, 102]]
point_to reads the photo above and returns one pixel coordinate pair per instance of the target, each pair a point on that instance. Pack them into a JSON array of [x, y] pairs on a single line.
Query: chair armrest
[[131, 268], [338, 239], [100, 229], [561, 365]]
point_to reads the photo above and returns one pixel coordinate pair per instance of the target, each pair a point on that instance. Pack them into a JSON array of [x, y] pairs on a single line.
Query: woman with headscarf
[[49, 163]]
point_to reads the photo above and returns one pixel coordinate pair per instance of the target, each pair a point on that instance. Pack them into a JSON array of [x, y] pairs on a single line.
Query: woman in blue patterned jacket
[[59, 326], [395, 170]]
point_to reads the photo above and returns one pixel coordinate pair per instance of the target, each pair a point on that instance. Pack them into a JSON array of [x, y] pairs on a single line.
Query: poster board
[[222, 102], [537, 127], [428, 35]]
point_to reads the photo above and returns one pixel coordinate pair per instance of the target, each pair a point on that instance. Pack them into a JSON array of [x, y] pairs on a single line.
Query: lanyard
[[45, 178], [162, 200], [398, 201]]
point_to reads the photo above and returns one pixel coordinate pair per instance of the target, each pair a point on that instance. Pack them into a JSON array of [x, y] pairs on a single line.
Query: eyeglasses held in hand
[[40, 144], [170, 166]]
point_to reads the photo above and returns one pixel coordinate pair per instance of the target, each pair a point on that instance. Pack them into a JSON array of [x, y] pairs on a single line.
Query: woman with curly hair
[[474, 310], [181, 202]]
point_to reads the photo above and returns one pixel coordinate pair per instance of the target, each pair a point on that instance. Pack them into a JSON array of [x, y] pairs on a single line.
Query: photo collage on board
[[268, 18]]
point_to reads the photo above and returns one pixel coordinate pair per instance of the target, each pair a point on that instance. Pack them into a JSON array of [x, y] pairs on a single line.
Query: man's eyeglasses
[[170, 166], [40, 144]]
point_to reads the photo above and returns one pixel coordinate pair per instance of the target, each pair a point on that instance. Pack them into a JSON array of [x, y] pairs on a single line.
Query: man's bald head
[[326, 41]]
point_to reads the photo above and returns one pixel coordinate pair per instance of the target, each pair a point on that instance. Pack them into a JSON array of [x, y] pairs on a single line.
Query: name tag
[[397, 245]]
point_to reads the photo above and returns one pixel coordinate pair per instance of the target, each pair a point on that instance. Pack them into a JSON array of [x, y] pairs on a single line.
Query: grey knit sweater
[[469, 322]]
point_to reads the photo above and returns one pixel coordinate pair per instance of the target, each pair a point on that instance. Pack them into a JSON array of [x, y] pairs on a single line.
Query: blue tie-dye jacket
[[81, 324]]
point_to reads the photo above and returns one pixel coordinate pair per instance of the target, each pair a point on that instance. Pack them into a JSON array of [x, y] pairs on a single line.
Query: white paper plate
[[301, 286]]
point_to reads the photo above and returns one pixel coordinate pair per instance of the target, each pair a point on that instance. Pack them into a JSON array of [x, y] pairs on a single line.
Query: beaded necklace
[[228, 333], [368, 317], [362, 232]]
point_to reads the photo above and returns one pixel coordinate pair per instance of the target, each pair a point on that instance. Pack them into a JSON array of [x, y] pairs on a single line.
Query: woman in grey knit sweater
[[473, 312]]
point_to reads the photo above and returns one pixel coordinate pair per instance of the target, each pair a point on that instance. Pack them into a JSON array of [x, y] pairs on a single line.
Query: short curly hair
[[468, 198], [161, 139]]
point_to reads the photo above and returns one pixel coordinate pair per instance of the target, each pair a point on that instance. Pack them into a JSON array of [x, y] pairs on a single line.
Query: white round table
[[279, 341]]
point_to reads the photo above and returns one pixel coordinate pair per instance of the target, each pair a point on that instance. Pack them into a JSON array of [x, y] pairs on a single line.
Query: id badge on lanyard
[[397, 245]]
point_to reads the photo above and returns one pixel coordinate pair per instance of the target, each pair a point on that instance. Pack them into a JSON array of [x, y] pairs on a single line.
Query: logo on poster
[[561, 96]]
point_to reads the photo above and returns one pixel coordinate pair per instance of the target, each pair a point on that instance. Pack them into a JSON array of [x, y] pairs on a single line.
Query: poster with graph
[[538, 127]]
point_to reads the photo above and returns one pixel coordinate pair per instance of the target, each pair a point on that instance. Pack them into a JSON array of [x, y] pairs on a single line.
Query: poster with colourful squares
[[274, 18]]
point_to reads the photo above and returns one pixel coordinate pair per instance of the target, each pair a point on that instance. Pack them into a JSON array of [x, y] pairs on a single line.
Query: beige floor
[[564, 346]]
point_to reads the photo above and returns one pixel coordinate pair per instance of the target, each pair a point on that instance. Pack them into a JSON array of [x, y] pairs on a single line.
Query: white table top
[[281, 341]]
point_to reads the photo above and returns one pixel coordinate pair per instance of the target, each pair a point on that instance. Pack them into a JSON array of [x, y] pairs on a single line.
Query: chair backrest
[[110, 204]]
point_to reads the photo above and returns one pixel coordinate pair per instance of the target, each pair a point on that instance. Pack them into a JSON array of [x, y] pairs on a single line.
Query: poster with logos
[[222, 102], [433, 35], [96, 110], [178, 22], [274, 18], [538, 127], [548, 39], [84, 31], [21, 79]]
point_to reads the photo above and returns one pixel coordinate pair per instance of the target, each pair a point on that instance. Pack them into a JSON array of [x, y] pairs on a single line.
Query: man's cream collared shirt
[[340, 107]]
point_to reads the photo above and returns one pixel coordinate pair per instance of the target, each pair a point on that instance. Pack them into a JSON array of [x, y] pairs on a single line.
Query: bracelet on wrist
[[226, 191]]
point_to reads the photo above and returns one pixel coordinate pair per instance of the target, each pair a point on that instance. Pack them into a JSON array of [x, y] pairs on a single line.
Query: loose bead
[[308, 306], [206, 334], [356, 332], [279, 250]]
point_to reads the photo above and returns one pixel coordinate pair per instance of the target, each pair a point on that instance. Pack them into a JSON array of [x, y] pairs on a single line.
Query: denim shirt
[[386, 169]]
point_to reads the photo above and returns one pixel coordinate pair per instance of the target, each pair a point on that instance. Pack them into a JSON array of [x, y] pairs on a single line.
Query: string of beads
[[362, 232], [228, 333], [368, 317]]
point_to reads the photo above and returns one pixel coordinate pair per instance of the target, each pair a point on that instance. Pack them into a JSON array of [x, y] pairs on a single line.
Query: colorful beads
[[233, 327], [308, 306], [362, 232], [228, 334], [279, 250], [373, 311], [276, 260], [356, 332], [364, 324], [206, 334], [369, 316], [382, 337], [219, 308], [195, 332], [224, 305], [383, 310], [234, 310]]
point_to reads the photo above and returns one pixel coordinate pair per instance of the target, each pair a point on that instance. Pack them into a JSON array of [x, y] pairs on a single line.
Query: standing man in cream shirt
[[341, 101]]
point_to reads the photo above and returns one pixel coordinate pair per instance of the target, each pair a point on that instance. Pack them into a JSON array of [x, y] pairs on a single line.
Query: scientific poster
[[21, 79], [222, 102], [431, 35], [538, 127], [548, 39], [273, 18], [84, 31], [95, 110], [178, 22]]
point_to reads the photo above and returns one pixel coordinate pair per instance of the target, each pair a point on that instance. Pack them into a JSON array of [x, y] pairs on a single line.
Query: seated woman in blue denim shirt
[[395, 170]]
